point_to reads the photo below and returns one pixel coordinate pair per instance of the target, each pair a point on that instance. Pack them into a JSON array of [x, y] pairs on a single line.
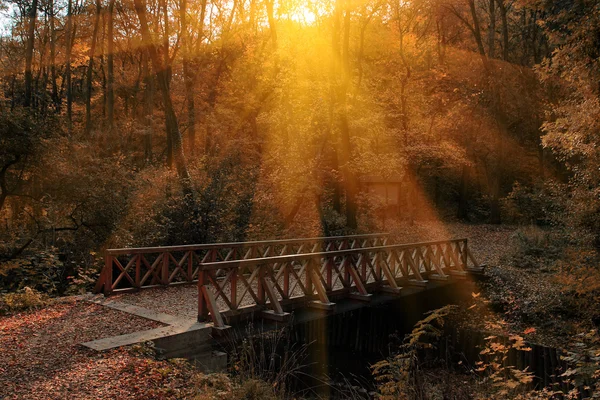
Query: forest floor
[[41, 357]]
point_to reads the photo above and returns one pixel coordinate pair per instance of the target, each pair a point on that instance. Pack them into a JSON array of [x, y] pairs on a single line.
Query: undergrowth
[[23, 300]]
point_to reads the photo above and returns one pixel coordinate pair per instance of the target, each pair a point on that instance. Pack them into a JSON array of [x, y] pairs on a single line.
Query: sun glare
[[303, 15]]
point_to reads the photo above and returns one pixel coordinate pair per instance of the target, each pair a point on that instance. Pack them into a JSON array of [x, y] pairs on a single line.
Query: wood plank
[[212, 307]]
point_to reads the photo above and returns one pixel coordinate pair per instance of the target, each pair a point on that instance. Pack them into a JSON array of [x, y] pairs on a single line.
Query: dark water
[[337, 352]]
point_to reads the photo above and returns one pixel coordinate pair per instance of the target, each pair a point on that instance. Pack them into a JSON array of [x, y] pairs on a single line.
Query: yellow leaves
[[475, 295]]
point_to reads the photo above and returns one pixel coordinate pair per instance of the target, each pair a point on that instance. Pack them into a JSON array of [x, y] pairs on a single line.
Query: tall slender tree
[[32, 15]]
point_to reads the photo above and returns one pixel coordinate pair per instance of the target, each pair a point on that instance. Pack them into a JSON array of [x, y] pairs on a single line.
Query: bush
[[534, 247], [541, 204], [43, 272], [26, 299]]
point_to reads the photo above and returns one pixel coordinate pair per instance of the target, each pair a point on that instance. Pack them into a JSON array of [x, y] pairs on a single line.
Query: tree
[[162, 77], [32, 15], [90, 69]]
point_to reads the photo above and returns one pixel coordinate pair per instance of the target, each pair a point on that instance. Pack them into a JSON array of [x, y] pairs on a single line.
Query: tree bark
[[492, 28], [476, 28], [69, 44], [188, 78], [148, 107], [110, 78], [504, 19], [55, 98], [88, 98], [29, 53]]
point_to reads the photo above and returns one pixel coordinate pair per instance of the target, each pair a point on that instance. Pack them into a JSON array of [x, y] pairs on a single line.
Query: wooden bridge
[[270, 278], [147, 267]]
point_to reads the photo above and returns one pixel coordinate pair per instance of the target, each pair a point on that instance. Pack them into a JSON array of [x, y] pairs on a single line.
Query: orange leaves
[[529, 331]]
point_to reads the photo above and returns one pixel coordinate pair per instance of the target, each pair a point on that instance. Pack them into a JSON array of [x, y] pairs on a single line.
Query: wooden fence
[[270, 284], [139, 268]]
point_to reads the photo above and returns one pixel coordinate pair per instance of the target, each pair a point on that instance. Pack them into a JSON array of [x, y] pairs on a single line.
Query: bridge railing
[[269, 284], [139, 268]]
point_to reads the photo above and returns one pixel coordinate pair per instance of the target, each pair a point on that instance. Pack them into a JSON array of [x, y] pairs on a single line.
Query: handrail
[[305, 256], [205, 246], [138, 268], [267, 284]]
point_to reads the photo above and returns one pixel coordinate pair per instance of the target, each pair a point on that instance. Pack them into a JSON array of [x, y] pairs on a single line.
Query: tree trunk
[[188, 79], [163, 6], [110, 79], [55, 98], [148, 107], [88, 98], [504, 20], [163, 84], [476, 28], [492, 28], [271, 19], [69, 44], [29, 53]]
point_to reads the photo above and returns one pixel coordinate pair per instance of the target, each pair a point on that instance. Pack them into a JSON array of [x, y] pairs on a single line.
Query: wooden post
[[260, 288], [286, 279], [362, 263], [108, 276], [392, 263], [202, 305], [353, 271], [329, 268], [165, 269], [233, 295], [190, 266], [377, 264], [463, 255], [138, 277], [275, 305], [211, 304], [307, 272]]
